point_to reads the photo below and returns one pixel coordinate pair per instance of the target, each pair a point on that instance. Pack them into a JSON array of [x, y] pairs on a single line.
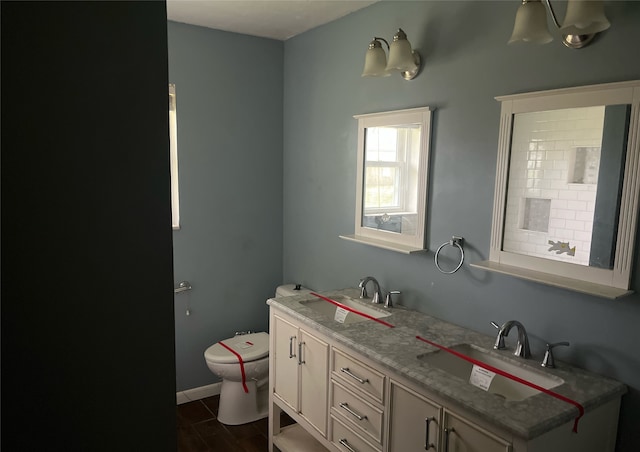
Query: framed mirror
[[567, 186], [391, 186]]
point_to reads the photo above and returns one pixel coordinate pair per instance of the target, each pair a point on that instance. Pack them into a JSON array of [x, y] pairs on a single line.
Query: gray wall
[[229, 100], [87, 315], [466, 63]]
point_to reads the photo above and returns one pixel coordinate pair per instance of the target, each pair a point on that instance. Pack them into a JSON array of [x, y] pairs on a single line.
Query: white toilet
[[236, 405], [244, 400]]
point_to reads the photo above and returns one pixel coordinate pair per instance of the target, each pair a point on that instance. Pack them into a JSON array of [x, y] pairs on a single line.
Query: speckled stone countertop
[[397, 349]]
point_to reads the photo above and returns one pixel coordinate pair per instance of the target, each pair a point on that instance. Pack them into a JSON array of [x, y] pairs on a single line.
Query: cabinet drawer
[[358, 375], [346, 440], [363, 415]]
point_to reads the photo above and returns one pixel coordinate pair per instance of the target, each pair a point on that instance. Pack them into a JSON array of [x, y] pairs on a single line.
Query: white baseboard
[[198, 393]]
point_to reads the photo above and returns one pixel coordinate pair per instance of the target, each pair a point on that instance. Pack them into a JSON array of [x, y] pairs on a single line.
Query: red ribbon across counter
[[244, 378], [347, 308], [512, 377]]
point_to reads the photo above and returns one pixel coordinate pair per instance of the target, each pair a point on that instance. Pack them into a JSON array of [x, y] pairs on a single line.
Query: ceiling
[[275, 19]]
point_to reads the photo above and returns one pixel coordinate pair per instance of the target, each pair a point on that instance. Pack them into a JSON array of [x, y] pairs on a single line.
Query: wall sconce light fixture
[[584, 19], [401, 58]]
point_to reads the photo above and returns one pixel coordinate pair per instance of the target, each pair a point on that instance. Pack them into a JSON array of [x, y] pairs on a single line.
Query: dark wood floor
[[200, 431]]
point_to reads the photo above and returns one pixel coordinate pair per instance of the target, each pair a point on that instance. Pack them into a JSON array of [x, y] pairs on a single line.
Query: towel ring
[[455, 241]]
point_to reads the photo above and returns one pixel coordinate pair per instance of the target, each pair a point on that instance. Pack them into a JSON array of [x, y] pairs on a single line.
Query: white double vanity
[[370, 384]]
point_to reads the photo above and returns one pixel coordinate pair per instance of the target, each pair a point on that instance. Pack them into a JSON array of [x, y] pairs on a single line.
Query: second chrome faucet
[[377, 295]]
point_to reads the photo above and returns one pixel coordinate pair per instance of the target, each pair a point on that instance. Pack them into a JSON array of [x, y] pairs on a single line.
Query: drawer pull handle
[[346, 444], [291, 355], [447, 433], [345, 406], [300, 360], [427, 445], [355, 377]]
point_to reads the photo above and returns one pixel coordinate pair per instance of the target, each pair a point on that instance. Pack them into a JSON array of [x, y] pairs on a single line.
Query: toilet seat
[[250, 347]]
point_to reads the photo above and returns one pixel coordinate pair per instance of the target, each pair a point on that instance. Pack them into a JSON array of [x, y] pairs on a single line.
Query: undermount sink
[[500, 386], [344, 314]]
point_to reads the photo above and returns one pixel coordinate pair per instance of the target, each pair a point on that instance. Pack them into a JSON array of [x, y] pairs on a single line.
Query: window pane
[[381, 188]]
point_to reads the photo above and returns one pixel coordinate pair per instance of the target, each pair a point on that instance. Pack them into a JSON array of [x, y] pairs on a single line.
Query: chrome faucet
[[377, 296], [522, 346]]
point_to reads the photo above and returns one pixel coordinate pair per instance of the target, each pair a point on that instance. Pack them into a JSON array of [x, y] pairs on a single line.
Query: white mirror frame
[[394, 241], [608, 283]]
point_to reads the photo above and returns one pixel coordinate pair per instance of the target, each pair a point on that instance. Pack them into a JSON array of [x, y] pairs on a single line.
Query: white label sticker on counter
[[481, 378], [341, 315]]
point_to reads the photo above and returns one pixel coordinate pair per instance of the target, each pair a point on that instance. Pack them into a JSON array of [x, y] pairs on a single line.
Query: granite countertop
[[397, 349]]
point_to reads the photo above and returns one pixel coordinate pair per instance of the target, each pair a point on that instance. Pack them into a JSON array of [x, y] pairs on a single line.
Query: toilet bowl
[[242, 362]]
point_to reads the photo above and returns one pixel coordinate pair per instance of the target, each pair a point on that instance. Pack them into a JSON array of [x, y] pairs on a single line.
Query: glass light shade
[[375, 61], [531, 24], [584, 17], [401, 56]]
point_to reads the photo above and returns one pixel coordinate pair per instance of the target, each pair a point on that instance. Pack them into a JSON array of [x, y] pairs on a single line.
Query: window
[[173, 152]]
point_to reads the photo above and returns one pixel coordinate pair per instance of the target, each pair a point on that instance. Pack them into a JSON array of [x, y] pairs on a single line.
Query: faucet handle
[[388, 302], [499, 345], [548, 360]]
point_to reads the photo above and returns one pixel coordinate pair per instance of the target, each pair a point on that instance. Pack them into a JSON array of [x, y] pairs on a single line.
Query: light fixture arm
[[553, 14], [375, 38]]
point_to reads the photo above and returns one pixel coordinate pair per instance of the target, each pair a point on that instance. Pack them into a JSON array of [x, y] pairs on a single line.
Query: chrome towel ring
[[457, 242]]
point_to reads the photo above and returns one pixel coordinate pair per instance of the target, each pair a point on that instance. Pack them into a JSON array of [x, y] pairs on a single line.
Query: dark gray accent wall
[[87, 305], [229, 103], [467, 62]]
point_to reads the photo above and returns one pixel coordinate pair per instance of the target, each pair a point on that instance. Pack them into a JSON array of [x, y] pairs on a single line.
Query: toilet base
[[238, 407]]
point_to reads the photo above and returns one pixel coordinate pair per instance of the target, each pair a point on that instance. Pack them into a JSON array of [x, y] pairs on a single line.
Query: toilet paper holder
[[182, 286]]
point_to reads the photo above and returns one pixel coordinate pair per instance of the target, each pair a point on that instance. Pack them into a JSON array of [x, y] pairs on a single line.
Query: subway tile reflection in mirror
[[555, 162], [567, 192]]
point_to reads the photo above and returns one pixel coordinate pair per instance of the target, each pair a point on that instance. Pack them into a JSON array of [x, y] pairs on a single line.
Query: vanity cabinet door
[[301, 363], [314, 375], [461, 435], [285, 359], [414, 421]]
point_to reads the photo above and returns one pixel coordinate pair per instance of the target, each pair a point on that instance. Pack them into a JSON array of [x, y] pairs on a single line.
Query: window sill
[[399, 247], [599, 290]]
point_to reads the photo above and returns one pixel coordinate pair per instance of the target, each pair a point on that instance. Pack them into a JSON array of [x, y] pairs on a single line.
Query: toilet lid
[[249, 346]]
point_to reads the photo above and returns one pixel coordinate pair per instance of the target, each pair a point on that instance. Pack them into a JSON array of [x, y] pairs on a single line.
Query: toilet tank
[[287, 290]]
